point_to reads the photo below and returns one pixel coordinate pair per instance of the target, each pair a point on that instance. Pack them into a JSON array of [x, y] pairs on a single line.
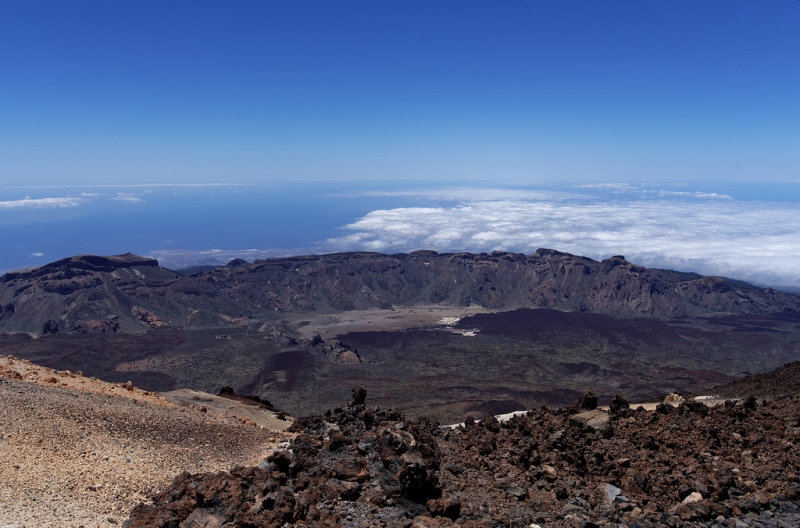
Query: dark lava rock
[[358, 467], [588, 401], [619, 406], [359, 396], [50, 327]]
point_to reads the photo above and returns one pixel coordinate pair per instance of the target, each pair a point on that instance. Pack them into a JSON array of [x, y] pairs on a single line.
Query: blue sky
[[199, 131], [146, 91]]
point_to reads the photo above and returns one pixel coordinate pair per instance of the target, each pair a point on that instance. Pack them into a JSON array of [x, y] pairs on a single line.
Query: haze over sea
[[738, 230]]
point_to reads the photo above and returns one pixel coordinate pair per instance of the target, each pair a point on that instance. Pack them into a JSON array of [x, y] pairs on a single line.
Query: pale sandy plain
[[333, 325]]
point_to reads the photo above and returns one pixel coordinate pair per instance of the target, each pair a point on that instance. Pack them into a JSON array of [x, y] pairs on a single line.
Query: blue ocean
[[291, 217], [749, 231]]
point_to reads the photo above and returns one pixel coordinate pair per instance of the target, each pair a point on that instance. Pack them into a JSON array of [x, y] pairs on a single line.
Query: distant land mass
[[448, 336], [130, 293]]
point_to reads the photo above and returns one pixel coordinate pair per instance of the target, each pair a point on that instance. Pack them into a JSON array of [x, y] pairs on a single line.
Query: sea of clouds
[[708, 233], [705, 232]]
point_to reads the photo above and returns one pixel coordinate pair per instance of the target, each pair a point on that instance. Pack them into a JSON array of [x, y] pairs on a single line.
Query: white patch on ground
[[450, 322], [468, 333]]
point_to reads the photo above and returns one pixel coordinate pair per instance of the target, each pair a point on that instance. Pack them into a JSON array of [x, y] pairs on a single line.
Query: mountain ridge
[[132, 293]]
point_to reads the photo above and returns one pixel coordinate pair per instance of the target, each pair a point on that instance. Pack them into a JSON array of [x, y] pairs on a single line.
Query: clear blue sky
[[247, 91]]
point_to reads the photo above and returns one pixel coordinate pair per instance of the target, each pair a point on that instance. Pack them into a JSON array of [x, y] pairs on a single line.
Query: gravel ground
[[77, 452]]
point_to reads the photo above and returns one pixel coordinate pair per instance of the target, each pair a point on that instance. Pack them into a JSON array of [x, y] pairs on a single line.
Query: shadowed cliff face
[[137, 294], [85, 294], [547, 278]]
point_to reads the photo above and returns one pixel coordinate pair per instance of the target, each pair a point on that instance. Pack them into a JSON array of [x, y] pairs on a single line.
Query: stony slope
[[129, 293], [76, 451], [779, 382]]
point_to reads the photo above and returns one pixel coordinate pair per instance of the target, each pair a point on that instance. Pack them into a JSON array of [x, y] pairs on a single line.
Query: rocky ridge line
[[135, 294]]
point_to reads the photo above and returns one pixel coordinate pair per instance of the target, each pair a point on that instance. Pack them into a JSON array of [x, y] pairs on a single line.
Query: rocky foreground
[[79, 452], [734, 464]]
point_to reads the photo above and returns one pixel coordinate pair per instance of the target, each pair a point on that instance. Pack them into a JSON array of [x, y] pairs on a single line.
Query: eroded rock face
[[93, 326], [501, 280], [360, 467], [84, 294], [77, 289]]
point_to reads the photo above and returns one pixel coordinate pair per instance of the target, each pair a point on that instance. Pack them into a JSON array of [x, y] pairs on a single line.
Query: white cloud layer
[[708, 233], [125, 197], [41, 203]]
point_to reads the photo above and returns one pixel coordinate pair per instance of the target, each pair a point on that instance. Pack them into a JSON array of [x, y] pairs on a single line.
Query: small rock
[[202, 518], [596, 419], [517, 492], [619, 405], [359, 395], [449, 508], [550, 471], [612, 492], [588, 401], [571, 508], [692, 497]]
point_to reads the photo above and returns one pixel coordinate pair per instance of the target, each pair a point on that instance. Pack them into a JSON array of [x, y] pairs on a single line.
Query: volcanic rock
[[650, 470], [74, 290], [618, 406], [588, 401]]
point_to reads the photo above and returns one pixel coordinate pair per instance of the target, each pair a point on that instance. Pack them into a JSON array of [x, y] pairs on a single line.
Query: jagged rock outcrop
[[85, 294], [75, 290], [730, 465], [547, 278], [73, 266]]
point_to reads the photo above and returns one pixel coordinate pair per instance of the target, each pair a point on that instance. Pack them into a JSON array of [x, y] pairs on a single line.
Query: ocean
[[749, 231]]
